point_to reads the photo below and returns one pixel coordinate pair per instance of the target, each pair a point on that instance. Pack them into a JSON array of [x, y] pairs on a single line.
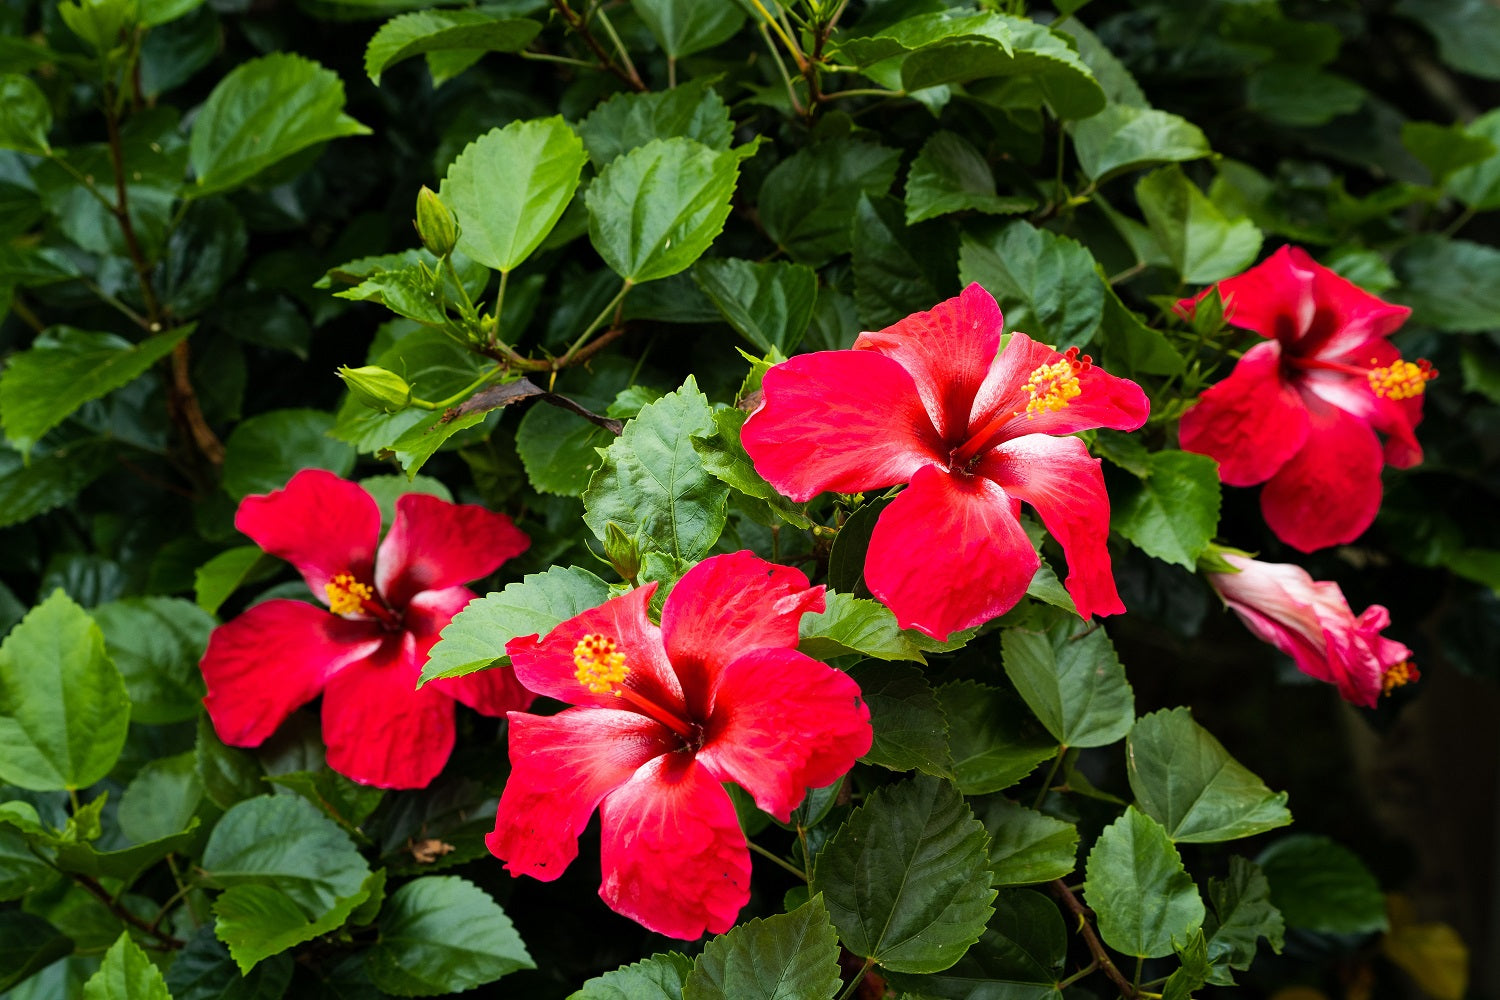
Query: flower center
[[1402, 379], [1053, 386], [601, 667], [347, 596], [1400, 675]]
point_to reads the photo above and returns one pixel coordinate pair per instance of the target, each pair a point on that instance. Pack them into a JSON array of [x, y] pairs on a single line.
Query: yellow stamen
[[1053, 386], [1401, 674], [346, 595], [1401, 379], [600, 666]]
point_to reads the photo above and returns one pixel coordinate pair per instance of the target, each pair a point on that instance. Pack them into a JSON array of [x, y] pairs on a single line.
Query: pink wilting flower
[[1300, 412], [662, 716], [1310, 621], [365, 650], [933, 401]]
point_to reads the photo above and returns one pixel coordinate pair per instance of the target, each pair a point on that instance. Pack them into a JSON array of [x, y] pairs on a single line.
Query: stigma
[[1051, 387], [600, 667], [1399, 675], [1400, 379], [346, 595]]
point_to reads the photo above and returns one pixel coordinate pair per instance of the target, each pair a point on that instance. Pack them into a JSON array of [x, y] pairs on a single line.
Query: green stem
[[588, 331], [1041, 795], [81, 178], [460, 395], [1135, 980], [565, 60], [500, 301], [619, 46], [1078, 975], [864, 92], [73, 800], [858, 978], [769, 856], [785, 76]]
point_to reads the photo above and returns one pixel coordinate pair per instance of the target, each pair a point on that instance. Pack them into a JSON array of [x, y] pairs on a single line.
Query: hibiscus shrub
[[778, 427]]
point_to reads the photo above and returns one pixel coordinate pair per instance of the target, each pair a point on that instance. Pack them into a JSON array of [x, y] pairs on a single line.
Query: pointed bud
[[435, 224], [621, 551], [377, 388]]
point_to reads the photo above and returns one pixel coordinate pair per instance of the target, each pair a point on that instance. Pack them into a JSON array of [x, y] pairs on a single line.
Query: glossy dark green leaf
[[443, 30], [1122, 138], [1129, 347], [1019, 957], [127, 863], [33, 267], [807, 201], [1444, 281], [156, 642], [1045, 284], [413, 291], [1027, 846], [790, 956], [25, 115], [1137, 887], [443, 934], [1072, 681], [559, 449], [22, 872], [204, 250], [949, 175], [28, 944], [345, 801], [659, 977], [683, 27], [1201, 241], [228, 775], [897, 270], [204, 970], [1242, 915], [1301, 96], [692, 110], [769, 304], [265, 451], [851, 625], [1173, 513], [911, 731], [1320, 885], [995, 742]]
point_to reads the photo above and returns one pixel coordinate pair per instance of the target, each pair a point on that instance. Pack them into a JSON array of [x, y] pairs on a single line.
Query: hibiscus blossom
[[1310, 621], [365, 650], [662, 716], [928, 402], [1299, 412]]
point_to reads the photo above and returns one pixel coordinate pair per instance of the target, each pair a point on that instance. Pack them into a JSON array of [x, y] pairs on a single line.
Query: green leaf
[[1444, 149], [265, 451], [1019, 957], [1045, 284], [289, 874], [1478, 186], [725, 459], [1319, 885], [769, 304], [63, 706], [262, 112], [1122, 138], [436, 367], [425, 31], [653, 484], [1194, 971], [509, 187], [560, 450], [910, 729], [443, 934], [51, 481], [660, 977], [204, 970], [905, 878], [1129, 346], [1139, 890], [477, 635], [853, 625], [897, 271], [790, 956], [222, 575], [65, 368], [1446, 282], [127, 974], [1467, 32], [1242, 914], [28, 944], [1172, 513], [228, 775], [345, 801], [949, 175], [995, 742], [692, 110], [413, 291], [808, 199], [1301, 96], [156, 642], [1027, 846], [21, 871], [683, 27], [1184, 779], [161, 799], [1070, 678], [654, 210], [33, 267], [25, 115], [125, 864], [1202, 243]]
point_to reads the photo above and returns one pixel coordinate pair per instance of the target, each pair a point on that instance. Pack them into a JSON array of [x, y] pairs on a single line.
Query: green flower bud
[[377, 388], [621, 551], [435, 224]]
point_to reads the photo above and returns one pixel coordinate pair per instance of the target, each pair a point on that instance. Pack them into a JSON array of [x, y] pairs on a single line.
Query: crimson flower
[[365, 651], [1310, 621], [662, 716], [933, 401], [1300, 412]]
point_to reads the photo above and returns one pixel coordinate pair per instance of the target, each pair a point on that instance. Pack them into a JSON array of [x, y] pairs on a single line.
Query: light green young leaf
[[126, 974], [424, 31], [1478, 186], [949, 175], [222, 575], [443, 934], [1202, 243], [1137, 886], [683, 27], [25, 115], [1122, 138], [790, 956], [100, 24], [1172, 513], [692, 110], [1071, 679], [853, 625], [1444, 149], [725, 459]]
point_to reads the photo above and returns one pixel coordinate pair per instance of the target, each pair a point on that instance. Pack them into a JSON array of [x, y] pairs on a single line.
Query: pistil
[[349, 596], [1050, 388]]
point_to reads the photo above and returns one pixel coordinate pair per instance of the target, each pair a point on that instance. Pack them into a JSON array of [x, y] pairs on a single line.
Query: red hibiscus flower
[[1310, 621], [663, 715], [928, 402], [365, 651], [1299, 412]]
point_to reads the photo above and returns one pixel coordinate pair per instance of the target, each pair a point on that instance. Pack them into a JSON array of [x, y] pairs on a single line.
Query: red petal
[[274, 658], [562, 766], [545, 665], [380, 730], [784, 723], [1328, 493], [1251, 423], [434, 544], [673, 854], [1348, 317], [1275, 298], [844, 421], [948, 350], [1059, 478], [949, 553], [494, 691], [321, 524], [724, 607], [1351, 393]]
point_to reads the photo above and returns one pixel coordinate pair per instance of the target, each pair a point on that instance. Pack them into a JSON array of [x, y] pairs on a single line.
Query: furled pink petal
[[784, 723], [434, 544], [380, 730], [1251, 423], [546, 665], [840, 421], [321, 524], [1057, 476], [673, 854], [724, 607], [1327, 493], [561, 767], [949, 553], [263, 665], [947, 350]]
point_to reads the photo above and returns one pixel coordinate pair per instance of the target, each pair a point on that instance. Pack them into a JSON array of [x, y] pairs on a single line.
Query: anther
[[346, 595], [1400, 379], [1399, 675], [1051, 387], [600, 667]]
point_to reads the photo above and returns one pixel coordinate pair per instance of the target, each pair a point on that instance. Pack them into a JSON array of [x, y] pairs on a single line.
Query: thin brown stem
[[114, 906], [1095, 946], [581, 29]]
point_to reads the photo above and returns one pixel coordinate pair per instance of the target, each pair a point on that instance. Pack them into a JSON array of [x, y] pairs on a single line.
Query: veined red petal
[[1251, 423], [1348, 317], [321, 524], [948, 350], [673, 854], [841, 421], [434, 544], [724, 607], [949, 553], [561, 767], [1058, 477], [274, 658], [784, 723], [1329, 492]]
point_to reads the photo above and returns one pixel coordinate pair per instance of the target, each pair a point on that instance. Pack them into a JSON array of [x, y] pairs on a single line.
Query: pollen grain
[[1401, 379], [1053, 386]]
